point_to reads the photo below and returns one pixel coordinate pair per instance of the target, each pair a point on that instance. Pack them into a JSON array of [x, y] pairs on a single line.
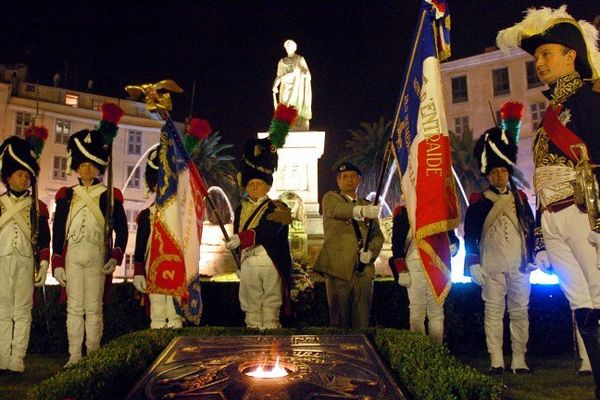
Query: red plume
[[512, 110], [199, 128], [112, 113], [39, 132], [285, 113]]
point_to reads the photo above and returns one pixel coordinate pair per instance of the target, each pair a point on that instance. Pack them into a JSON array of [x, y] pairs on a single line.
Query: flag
[[421, 146], [177, 225]]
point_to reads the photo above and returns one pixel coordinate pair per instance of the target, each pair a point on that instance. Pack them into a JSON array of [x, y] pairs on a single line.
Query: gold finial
[[156, 95]]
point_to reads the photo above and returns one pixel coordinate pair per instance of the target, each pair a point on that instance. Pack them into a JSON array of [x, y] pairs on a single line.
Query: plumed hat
[[151, 174], [495, 149], [259, 161], [94, 145], [259, 156], [545, 25], [87, 146], [17, 154]]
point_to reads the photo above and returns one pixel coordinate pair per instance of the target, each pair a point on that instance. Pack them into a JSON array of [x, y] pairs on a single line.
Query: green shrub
[[424, 369], [549, 315]]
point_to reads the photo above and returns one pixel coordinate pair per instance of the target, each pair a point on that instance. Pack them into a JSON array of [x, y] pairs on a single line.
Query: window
[[131, 216], [134, 142], [500, 79], [532, 76], [22, 122], [62, 130], [58, 168], [97, 104], [71, 99], [134, 182], [537, 114], [459, 89], [461, 125]]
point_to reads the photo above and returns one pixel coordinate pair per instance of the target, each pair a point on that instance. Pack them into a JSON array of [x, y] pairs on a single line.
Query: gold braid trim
[[439, 264], [565, 87]]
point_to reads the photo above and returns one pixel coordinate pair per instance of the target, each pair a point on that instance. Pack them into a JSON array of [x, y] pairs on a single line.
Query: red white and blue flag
[[422, 147], [177, 225]]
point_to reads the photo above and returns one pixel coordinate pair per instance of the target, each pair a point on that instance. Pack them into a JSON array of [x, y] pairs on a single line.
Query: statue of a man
[[293, 85]]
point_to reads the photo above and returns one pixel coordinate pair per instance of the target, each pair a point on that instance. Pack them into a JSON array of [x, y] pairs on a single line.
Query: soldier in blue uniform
[[261, 233], [16, 252], [498, 244], [568, 61], [80, 261], [408, 272], [163, 313]]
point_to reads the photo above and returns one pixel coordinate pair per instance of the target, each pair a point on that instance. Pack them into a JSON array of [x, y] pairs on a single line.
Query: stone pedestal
[[297, 172]]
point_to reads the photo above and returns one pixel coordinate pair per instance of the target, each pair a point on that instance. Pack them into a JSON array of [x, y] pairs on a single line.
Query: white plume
[[537, 20]]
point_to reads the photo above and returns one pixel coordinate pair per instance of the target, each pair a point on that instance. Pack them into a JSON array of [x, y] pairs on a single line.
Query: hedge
[[550, 317], [424, 369]]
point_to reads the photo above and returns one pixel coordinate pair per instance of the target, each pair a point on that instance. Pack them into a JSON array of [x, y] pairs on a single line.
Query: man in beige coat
[[348, 270]]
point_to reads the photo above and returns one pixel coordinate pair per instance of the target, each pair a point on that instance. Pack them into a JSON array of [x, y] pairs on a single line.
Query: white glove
[[365, 256], [61, 276], [453, 249], [370, 212], [40, 277], [139, 282], [233, 242], [543, 262], [477, 274], [109, 267], [404, 279]]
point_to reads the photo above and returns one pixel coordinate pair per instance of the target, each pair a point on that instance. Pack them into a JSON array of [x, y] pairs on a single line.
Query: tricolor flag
[[422, 147], [177, 226]]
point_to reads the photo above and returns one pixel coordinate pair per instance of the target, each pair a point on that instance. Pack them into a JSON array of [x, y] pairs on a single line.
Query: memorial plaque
[[268, 367]]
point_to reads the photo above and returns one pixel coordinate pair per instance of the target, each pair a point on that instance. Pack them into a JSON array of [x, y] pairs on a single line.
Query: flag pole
[[211, 203], [388, 147]]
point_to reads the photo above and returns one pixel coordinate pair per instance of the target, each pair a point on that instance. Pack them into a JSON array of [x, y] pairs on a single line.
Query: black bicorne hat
[[495, 149], [87, 146], [259, 161], [151, 174], [546, 25], [17, 154]]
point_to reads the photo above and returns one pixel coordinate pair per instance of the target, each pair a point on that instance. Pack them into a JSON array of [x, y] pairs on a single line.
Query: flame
[[266, 372]]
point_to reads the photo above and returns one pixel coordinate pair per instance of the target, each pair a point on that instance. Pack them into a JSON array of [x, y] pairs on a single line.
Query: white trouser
[[423, 304], [260, 294], [85, 287], [572, 257], [16, 301], [511, 289], [162, 312]]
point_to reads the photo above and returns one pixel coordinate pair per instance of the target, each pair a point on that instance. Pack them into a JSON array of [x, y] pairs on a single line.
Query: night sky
[[356, 53]]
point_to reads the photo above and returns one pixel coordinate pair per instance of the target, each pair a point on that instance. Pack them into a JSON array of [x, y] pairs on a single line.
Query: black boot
[[589, 327]]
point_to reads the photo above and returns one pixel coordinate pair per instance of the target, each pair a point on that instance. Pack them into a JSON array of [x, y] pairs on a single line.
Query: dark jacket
[[273, 236], [478, 211]]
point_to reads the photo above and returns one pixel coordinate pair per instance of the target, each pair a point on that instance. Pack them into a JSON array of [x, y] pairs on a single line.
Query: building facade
[[475, 87], [64, 112]]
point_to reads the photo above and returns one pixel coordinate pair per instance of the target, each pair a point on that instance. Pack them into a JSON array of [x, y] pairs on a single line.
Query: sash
[[13, 211], [88, 199], [260, 209], [359, 238], [560, 135]]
